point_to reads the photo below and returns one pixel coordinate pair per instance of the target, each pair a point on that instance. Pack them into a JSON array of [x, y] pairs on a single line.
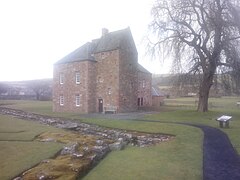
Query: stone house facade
[[157, 97], [102, 75], [144, 87]]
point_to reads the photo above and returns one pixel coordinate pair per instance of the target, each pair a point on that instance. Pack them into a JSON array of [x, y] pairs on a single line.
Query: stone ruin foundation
[[84, 145]]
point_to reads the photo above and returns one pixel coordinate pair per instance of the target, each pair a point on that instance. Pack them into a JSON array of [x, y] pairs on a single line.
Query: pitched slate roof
[[82, 53], [142, 69], [113, 40], [110, 41], [155, 92]]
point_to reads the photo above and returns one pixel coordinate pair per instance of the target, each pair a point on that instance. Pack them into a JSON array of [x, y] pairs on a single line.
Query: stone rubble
[[70, 148], [106, 139], [119, 145], [134, 138]]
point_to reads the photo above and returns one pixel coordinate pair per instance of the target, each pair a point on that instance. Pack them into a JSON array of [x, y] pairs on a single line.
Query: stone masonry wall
[[92, 84], [157, 101], [69, 89], [128, 79], [107, 78], [145, 89], [113, 79]]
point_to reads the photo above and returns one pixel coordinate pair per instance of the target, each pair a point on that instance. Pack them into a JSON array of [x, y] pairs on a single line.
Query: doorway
[[139, 100], [100, 105]]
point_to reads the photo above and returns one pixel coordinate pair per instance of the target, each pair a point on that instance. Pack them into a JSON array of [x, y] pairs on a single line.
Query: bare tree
[[204, 35], [3, 88], [42, 88], [185, 84]]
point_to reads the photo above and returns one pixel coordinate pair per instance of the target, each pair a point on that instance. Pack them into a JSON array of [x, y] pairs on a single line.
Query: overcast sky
[[34, 34]]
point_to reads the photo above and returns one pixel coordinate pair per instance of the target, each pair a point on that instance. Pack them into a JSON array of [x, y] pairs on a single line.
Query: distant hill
[[162, 79], [40, 89], [188, 85]]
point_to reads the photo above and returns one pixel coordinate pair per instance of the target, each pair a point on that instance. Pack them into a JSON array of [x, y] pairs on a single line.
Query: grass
[[18, 150], [180, 158], [64, 166], [12, 129], [40, 107], [145, 163], [219, 106], [16, 157]]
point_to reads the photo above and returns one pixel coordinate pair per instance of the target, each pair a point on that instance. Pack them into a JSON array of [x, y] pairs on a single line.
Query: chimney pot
[[104, 31]]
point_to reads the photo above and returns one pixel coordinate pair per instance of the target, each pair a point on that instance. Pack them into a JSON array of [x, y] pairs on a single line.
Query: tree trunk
[[204, 92], [38, 96]]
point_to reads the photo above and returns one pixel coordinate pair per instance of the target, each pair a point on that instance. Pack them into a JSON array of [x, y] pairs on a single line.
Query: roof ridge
[[110, 41], [142, 69]]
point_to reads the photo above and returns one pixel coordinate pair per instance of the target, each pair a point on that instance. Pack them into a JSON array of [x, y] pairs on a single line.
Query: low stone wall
[[86, 144]]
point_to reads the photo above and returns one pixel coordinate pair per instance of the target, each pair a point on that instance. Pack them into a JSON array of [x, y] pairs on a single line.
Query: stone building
[[102, 75], [157, 97]]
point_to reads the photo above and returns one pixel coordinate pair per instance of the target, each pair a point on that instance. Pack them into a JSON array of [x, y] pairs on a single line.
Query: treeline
[[27, 90], [188, 84]]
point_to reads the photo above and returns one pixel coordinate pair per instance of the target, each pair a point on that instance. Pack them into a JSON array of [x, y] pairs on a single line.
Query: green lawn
[[180, 158], [18, 151], [219, 106], [40, 107]]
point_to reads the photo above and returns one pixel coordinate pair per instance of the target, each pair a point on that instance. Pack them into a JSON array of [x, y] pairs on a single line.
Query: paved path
[[220, 160]]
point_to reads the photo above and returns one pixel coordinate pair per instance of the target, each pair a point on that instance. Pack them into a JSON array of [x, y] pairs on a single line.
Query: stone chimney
[[104, 31]]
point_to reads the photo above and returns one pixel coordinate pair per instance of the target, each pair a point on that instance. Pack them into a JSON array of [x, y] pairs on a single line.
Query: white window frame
[[100, 79], [78, 100], [143, 83], [61, 100], [77, 77], [109, 91], [61, 78]]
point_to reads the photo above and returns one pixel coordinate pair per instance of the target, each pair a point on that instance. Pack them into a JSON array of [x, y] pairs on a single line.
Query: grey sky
[[36, 33]]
